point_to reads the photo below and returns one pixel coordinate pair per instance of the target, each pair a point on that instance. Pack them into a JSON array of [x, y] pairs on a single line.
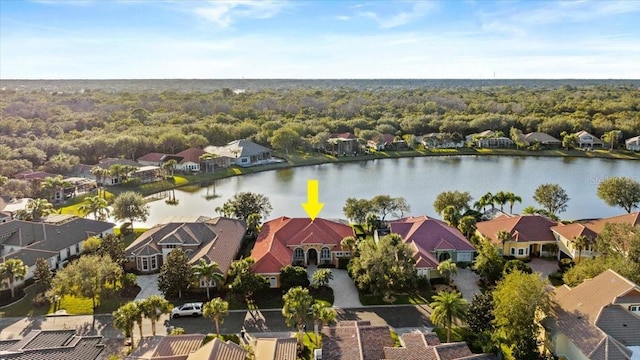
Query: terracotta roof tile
[[217, 349], [523, 228], [172, 346], [355, 340], [191, 155]]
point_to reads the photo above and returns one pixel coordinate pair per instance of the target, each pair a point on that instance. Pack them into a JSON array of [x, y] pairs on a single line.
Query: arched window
[[298, 253], [325, 254], [273, 282]]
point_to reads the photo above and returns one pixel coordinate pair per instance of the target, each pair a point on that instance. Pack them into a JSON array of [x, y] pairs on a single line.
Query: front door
[[312, 257]]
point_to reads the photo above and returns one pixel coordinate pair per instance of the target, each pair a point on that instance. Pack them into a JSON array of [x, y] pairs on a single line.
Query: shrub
[[41, 300], [565, 264]]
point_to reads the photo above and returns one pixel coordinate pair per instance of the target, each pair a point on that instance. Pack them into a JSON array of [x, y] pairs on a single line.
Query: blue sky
[[107, 39]]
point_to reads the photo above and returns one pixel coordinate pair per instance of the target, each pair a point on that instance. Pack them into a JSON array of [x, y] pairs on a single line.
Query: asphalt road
[[258, 321]]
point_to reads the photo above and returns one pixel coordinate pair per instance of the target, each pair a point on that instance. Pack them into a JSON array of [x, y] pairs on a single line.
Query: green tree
[[518, 297], [130, 206], [451, 216], [101, 175], [216, 310], [285, 139], [125, 317], [480, 313], [321, 314], [35, 210], [489, 263], [356, 210], [385, 205], [552, 197], [458, 199], [13, 270], [97, 206], [51, 185], [174, 274], [243, 204], [170, 166], [504, 237], [484, 201], [500, 198], [86, 277], [581, 242], [292, 276], [209, 273], [384, 266], [516, 265], [467, 225], [153, 307], [245, 282], [297, 303], [448, 269], [348, 244], [569, 141], [512, 199], [620, 191], [321, 277], [589, 268], [42, 274], [619, 239], [612, 138], [448, 307], [113, 246]]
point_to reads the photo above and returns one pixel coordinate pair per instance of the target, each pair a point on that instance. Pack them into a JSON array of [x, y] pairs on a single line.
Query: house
[[52, 345], [588, 141], [359, 340], [567, 234], [35, 178], [545, 140], [242, 153], [343, 144], [56, 239], [529, 235], [147, 174], [217, 239], [174, 347], [217, 349], [633, 144], [84, 171], [598, 319], [190, 161], [386, 142], [441, 141], [433, 241], [277, 348], [10, 206], [489, 139], [157, 159], [298, 241]]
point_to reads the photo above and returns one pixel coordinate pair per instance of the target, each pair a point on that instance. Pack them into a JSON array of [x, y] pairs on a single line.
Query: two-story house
[[633, 144], [525, 235], [343, 144], [588, 141], [242, 153]]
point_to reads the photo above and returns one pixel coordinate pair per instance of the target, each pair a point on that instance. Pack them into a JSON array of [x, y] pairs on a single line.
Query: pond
[[418, 180]]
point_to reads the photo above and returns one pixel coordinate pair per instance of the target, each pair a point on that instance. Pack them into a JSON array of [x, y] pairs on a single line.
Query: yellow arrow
[[312, 206]]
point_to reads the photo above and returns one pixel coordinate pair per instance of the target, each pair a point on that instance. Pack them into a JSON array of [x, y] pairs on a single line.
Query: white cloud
[[419, 9], [575, 11], [225, 13]]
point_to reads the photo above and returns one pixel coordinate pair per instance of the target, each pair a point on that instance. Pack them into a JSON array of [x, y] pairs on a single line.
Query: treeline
[[53, 131]]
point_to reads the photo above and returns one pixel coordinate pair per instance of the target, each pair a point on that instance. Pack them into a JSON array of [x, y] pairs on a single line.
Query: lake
[[418, 180]]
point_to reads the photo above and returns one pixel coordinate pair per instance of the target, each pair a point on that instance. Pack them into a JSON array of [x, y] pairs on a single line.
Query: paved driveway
[[544, 266], [148, 286], [467, 283], [345, 293]]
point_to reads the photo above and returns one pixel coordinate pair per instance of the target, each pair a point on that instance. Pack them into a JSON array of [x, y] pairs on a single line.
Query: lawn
[[457, 334], [24, 306]]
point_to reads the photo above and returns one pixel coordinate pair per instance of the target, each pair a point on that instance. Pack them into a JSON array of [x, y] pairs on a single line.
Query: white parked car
[[188, 309]]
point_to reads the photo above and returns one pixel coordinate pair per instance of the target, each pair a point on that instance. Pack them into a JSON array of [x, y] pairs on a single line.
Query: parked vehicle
[[188, 309]]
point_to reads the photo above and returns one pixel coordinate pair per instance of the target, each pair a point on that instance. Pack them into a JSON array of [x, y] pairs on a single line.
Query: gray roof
[[542, 138], [38, 239], [238, 148], [620, 324], [52, 345]]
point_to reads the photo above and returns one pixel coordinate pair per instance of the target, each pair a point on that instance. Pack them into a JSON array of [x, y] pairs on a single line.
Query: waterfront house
[[566, 234], [528, 235], [433, 241], [84, 171], [242, 152], [489, 139], [343, 144], [440, 141], [298, 241], [218, 239], [56, 239], [633, 144], [386, 142], [588, 141], [190, 160], [157, 159], [545, 140], [598, 319]]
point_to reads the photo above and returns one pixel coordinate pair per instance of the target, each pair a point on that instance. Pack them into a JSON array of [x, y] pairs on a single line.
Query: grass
[[24, 306], [457, 334], [419, 298]]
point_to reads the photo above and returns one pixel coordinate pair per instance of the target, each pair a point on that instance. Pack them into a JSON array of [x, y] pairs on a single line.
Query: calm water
[[419, 180]]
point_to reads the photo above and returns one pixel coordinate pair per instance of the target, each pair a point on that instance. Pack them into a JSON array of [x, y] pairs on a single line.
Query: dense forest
[[54, 130]]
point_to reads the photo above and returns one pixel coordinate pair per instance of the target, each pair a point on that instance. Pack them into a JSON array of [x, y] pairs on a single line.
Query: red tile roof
[[591, 228], [166, 347], [355, 340], [153, 157], [523, 228], [277, 239], [191, 155], [346, 135]]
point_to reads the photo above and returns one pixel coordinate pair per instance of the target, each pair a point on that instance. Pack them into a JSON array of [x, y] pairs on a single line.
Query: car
[[188, 309]]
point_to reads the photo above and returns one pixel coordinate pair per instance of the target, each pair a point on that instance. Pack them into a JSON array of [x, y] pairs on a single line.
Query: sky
[[198, 39]]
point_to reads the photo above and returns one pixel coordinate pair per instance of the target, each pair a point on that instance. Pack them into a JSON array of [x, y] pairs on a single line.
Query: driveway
[[148, 286], [345, 293], [467, 283], [544, 266]]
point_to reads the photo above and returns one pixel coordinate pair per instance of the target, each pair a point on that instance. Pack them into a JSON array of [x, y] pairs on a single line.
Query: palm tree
[[137, 315], [504, 237], [51, 185], [170, 165], [216, 310], [13, 270], [295, 310], [486, 199], [500, 198], [451, 216], [125, 317], [253, 223], [153, 307], [97, 206], [512, 199], [207, 272], [321, 277], [100, 174], [467, 225], [581, 242], [321, 314], [348, 244], [449, 269], [447, 307], [3, 180], [35, 210]]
